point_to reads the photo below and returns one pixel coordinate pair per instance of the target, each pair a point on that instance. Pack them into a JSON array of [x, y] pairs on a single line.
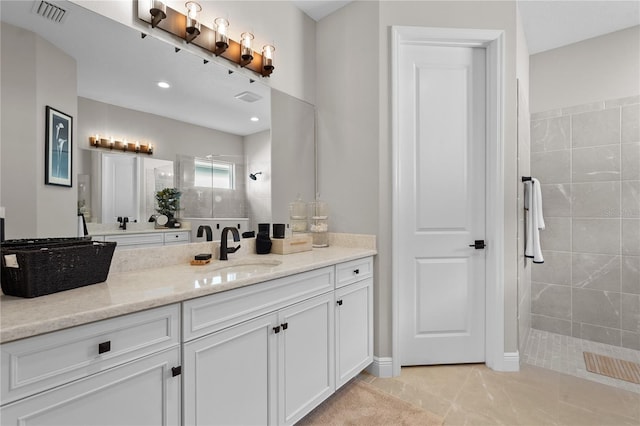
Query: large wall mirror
[[210, 130]]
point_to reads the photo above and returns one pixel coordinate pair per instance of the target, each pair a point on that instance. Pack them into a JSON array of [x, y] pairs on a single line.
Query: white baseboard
[[511, 361], [381, 367]]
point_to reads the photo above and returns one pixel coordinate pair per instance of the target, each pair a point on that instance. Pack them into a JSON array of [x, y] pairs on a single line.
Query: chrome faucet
[[223, 242], [206, 228]]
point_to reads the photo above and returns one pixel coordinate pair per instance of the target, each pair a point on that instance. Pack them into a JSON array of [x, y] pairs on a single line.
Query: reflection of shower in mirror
[[254, 176]]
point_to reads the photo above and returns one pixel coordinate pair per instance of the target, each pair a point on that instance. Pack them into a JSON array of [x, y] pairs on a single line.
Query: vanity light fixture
[[163, 84], [193, 25], [184, 25], [254, 119], [158, 12], [246, 50], [222, 40], [267, 59], [111, 143]]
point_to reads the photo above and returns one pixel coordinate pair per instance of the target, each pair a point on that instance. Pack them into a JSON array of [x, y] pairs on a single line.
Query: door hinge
[[176, 371]]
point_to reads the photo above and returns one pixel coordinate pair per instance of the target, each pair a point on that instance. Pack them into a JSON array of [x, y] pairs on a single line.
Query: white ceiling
[[548, 24]]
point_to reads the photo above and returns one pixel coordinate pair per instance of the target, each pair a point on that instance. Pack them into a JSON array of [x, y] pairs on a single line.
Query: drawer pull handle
[[285, 326], [104, 347], [356, 271], [339, 302], [176, 371], [276, 329]]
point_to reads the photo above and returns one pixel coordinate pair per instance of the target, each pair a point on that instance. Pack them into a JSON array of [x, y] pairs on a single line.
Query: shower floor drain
[[612, 367]]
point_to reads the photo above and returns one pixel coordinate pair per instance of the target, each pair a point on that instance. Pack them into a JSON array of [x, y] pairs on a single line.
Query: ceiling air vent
[[248, 96], [49, 11]]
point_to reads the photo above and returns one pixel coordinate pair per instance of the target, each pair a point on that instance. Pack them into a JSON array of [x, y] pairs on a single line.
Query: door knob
[[478, 244]]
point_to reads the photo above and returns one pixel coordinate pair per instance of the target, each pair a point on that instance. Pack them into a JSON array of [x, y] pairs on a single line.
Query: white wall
[[355, 146], [34, 209], [605, 67], [278, 22]]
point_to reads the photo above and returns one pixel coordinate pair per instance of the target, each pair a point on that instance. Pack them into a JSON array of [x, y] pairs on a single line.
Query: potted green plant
[[168, 201]]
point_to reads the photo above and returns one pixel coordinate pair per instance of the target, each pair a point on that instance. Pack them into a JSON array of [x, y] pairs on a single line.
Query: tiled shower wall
[[587, 159]]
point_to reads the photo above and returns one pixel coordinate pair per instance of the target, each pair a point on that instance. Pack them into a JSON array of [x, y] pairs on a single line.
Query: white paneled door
[[441, 187]]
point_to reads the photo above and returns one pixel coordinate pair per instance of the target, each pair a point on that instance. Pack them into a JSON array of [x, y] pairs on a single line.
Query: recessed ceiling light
[[164, 84], [255, 119]]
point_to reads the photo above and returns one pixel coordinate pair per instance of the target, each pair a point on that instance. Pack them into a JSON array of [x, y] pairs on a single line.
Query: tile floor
[[552, 387], [472, 394]]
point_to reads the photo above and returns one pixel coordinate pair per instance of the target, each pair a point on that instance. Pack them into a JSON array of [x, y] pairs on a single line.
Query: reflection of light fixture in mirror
[[246, 51], [254, 119], [158, 12], [163, 84], [254, 176], [193, 25], [222, 40], [267, 59]]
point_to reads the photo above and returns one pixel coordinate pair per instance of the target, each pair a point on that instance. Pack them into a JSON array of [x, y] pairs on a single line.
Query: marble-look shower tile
[[596, 164], [577, 109], [596, 128], [551, 300], [556, 268], [631, 199], [596, 236], [631, 274], [631, 123], [630, 161], [631, 237], [551, 167], [596, 199], [557, 234], [594, 333], [596, 307], [630, 340], [546, 114], [596, 271], [552, 134], [630, 312], [553, 325], [556, 200]]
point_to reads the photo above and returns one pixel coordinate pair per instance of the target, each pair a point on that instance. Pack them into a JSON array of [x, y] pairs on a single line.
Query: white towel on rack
[[534, 219]]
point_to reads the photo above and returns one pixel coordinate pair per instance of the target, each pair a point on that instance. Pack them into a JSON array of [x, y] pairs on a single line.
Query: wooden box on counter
[[294, 244]]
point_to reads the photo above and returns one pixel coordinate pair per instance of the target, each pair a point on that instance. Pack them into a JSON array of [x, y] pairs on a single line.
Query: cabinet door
[[306, 357], [143, 392], [354, 330], [229, 376]]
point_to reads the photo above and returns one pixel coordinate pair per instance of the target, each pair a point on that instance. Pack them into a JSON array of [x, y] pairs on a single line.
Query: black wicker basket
[[32, 268]]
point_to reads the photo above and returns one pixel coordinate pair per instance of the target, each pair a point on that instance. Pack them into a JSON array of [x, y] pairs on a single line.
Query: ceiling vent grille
[[248, 96], [49, 11]]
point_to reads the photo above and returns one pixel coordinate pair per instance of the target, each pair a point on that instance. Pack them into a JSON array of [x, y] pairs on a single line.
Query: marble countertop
[[131, 291]]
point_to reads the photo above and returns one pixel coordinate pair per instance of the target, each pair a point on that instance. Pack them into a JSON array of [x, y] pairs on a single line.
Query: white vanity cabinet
[[354, 318], [118, 371], [146, 239], [268, 357]]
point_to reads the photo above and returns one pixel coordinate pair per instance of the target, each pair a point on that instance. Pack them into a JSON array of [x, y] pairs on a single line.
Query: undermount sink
[[225, 271]]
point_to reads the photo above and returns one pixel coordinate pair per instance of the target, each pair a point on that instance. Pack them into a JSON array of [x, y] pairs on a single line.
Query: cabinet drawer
[[138, 240], [353, 271], [38, 363], [212, 313], [176, 237]]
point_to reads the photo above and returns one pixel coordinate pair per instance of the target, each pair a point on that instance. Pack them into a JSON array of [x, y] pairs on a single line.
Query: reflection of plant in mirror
[[168, 201]]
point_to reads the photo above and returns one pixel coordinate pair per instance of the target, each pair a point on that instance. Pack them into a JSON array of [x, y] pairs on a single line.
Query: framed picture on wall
[[58, 148]]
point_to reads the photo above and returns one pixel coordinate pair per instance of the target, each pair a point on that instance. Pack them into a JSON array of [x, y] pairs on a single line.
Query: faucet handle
[[233, 249]]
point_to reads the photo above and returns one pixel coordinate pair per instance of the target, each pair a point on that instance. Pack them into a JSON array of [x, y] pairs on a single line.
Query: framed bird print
[[58, 148]]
